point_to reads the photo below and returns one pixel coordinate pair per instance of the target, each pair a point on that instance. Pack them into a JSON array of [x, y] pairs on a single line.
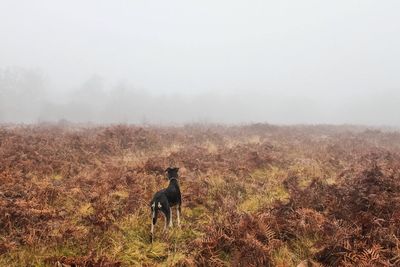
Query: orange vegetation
[[256, 195]]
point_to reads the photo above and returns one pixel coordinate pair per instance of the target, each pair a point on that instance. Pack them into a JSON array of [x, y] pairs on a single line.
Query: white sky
[[326, 51]]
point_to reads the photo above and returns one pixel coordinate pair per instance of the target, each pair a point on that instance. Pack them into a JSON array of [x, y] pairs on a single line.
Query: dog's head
[[172, 172]]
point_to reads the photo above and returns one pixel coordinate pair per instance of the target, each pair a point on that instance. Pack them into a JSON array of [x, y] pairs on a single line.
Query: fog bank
[[27, 98], [182, 61]]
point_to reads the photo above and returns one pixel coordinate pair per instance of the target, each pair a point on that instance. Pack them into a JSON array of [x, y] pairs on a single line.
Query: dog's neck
[[173, 180]]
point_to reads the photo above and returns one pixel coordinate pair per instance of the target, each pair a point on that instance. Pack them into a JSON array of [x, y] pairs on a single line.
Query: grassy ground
[[257, 195]]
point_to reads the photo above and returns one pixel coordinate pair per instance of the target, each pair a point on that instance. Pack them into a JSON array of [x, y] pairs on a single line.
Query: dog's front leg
[[165, 222]]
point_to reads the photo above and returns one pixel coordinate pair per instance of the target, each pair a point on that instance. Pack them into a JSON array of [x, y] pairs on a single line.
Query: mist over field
[[199, 133], [162, 62]]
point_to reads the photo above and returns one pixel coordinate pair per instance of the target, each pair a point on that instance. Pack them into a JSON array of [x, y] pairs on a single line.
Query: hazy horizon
[[286, 62]]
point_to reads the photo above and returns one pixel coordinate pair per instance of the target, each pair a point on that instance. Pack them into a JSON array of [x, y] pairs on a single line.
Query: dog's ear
[[176, 169], [167, 169]]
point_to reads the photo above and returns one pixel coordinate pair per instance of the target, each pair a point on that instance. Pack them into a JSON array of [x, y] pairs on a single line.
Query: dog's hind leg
[[165, 211], [152, 232], [154, 212], [178, 214], [170, 218]]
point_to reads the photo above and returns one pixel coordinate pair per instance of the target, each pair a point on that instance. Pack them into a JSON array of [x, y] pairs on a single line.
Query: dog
[[165, 199]]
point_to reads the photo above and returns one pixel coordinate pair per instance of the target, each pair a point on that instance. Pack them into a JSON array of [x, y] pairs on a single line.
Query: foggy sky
[[184, 61]]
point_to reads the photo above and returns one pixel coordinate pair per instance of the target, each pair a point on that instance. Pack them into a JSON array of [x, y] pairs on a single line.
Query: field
[[253, 195]]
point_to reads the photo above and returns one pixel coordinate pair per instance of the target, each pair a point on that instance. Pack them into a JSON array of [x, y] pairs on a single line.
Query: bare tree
[[21, 93]]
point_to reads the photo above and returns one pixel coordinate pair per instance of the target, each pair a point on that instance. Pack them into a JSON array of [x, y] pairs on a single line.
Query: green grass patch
[[31, 256], [264, 188]]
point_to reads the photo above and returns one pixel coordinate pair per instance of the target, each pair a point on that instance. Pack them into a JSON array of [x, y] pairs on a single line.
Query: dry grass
[[256, 195]]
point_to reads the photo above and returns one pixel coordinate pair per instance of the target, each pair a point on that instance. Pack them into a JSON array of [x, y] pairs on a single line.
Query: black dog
[[165, 199]]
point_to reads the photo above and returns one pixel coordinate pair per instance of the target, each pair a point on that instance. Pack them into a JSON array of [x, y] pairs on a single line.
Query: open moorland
[[255, 195]]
